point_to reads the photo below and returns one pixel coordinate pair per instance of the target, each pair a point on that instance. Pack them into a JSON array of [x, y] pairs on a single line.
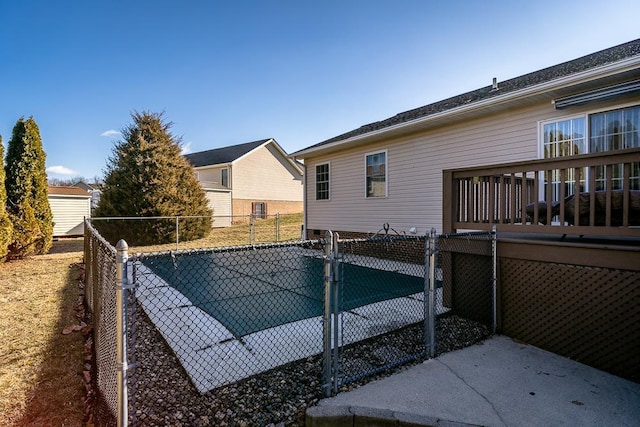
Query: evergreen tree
[[6, 228], [27, 193], [146, 176]]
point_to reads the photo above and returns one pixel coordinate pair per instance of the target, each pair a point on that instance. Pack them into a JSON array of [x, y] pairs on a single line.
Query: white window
[[376, 174], [322, 181], [592, 133], [224, 177]]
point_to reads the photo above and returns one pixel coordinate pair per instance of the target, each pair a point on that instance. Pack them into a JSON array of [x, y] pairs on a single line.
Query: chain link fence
[[100, 282], [466, 301], [176, 232], [248, 324], [381, 304]]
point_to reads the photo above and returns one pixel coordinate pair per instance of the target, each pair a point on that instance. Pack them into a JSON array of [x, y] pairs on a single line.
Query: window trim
[[386, 174], [328, 181]]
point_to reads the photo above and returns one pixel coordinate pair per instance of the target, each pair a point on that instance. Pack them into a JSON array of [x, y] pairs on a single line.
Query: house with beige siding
[[391, 171], [69, 206], [255, 178]]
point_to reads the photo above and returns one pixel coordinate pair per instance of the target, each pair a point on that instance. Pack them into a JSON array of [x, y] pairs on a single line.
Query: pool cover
[[248, 292]]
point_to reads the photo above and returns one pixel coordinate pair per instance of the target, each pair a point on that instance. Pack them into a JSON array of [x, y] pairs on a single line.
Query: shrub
[[6, 228], [27, 192]]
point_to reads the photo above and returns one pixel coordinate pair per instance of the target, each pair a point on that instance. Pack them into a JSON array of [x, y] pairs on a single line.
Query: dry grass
[[238, 234], [40, 368]]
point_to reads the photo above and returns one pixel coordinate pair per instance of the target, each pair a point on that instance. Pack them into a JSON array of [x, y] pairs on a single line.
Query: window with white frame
[[322, 181], [591, 133], [224, 177], [376, 174]]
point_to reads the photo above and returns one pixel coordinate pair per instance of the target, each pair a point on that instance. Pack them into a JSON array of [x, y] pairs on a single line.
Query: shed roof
[[54, 190], [223, 155], [594, 60]]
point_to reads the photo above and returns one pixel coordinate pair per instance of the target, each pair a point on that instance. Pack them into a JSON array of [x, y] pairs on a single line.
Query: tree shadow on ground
[[56, 397]]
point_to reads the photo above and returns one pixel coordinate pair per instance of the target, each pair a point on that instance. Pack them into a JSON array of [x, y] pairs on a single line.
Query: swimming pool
[[251, 291]]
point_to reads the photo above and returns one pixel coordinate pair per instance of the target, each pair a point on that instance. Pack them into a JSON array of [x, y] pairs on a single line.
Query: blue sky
[[300, 72]]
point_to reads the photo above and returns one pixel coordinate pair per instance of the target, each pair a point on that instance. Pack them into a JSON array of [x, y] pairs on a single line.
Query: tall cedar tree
[[146, 176], [6, 228], [26, 185]]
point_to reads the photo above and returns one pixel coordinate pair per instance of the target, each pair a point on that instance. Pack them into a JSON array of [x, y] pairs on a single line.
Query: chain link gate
[[422, 296], [376, 293]]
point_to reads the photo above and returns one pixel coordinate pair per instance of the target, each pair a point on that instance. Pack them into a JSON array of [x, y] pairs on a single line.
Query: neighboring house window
[[224, 177], [322, 181], [592, 133], [376, 174], [259, 209]]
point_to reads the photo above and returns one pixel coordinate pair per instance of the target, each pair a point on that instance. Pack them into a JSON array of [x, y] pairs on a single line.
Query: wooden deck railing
[[590, 194]]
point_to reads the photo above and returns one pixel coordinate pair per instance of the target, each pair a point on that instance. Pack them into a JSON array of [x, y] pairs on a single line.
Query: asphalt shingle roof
[[222, 155], [584, 63]]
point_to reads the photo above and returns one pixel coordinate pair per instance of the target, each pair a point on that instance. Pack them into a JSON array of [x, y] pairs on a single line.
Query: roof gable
[[591, 61], [223, 155]]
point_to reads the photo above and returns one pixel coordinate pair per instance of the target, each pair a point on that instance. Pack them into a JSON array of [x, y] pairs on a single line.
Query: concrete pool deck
[[500, 382], [212, 356]]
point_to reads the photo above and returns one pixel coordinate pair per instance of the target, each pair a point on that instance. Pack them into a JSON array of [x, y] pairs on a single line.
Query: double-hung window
[[322, 181], [376, 174], [592, 133], [224, 177]]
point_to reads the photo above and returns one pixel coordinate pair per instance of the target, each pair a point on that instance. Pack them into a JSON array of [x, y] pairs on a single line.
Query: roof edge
[[571, 79]]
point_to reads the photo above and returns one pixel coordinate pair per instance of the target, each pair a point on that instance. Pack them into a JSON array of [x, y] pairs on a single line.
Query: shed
[[69, 206], [219, 201]]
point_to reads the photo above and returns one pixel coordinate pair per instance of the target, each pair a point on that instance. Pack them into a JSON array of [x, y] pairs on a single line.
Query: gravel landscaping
[[163, 395]]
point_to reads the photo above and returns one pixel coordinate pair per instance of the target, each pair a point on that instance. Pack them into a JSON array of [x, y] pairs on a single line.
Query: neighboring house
[[253, 178], [69, 206], [93, 189], [391, 171]]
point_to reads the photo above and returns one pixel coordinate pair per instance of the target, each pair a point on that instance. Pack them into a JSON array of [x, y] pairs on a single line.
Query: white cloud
[[61, 170], [111, 132], [186, 148]]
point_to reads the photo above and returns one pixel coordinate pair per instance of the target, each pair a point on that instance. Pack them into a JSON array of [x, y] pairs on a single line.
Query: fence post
[[326, 326], [251, 229], [121, 333], [494, 277], [177, 232], [430, 288], [335, 283], [278, 227]]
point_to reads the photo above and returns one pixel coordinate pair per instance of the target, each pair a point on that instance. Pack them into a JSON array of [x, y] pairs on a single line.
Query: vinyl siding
[[220, 203], [264, 174], [415, 164], [211, 174], [68, 214]]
